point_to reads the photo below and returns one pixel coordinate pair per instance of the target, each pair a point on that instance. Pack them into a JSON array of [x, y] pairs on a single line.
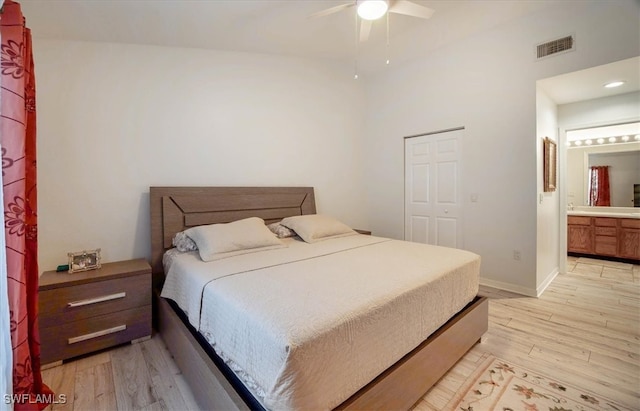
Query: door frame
[[563, 181]]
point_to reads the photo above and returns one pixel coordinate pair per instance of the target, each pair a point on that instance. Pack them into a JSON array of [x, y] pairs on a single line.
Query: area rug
[[503, 386]]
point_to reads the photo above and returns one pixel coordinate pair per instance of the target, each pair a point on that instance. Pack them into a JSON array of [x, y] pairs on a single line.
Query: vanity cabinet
[[630, 239], [604, 236], [580, 235]]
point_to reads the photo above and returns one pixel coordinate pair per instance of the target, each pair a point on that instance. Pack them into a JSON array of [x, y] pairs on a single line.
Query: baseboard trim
[[529, 292], [547, 281]]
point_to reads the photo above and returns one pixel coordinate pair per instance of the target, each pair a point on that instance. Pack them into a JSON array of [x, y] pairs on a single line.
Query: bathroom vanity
[[605, 232]]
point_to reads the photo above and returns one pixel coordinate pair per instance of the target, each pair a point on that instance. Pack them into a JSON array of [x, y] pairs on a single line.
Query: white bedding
[[308, 325]]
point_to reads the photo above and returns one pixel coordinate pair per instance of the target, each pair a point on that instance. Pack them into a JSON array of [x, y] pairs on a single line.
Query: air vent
[[555, 46]]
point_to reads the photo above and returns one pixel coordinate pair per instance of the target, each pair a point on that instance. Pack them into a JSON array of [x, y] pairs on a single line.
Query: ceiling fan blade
[[331, 10], [409, 8], [365, 29]]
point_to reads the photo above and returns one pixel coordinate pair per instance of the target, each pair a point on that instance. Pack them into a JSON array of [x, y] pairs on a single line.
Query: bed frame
[[214, 386]]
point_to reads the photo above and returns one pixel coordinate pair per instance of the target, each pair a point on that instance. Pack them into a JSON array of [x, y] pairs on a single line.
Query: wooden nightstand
[[91, 310], [365, 232]]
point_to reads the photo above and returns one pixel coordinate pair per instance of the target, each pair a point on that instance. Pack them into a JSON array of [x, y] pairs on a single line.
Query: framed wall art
[[550, 153]]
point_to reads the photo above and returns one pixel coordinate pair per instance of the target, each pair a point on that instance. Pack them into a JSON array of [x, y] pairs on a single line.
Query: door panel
[[446, 232], [447, 182], [420, 229], [420, 183]]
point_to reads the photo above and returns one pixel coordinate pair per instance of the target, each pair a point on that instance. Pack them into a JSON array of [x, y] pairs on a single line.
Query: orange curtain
[[599, 193], [18, 141]]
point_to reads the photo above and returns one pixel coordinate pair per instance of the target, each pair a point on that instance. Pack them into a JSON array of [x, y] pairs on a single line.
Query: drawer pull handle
[[96, 300], [97, 334]]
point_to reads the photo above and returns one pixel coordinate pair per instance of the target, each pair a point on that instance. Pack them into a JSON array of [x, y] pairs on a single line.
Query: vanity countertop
[[605, 212]]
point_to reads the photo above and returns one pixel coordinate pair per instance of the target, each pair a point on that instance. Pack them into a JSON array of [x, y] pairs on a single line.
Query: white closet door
[[433, 200]]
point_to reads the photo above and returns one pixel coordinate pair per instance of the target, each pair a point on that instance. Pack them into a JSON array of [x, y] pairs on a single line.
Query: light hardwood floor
[[584, 330]]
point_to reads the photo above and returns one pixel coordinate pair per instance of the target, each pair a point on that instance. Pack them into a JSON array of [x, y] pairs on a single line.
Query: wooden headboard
[[174, 209]]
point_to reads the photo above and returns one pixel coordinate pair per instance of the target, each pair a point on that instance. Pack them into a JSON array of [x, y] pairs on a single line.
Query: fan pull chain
[[355, 60], [388, 48]]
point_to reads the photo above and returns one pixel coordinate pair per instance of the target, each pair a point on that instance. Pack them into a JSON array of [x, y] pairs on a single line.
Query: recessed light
[[614, 84]]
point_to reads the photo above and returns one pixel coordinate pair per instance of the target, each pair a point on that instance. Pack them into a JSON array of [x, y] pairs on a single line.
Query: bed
[[393, 377]]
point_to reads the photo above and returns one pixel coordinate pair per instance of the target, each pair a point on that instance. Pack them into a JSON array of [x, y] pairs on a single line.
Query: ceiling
[[283, 27], [589, 84], [269, 26]]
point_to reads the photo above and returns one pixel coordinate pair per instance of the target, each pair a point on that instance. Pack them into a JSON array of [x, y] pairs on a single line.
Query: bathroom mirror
[[624, 172]]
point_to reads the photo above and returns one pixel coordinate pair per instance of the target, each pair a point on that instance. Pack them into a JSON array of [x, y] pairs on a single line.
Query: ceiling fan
[[370, 10]]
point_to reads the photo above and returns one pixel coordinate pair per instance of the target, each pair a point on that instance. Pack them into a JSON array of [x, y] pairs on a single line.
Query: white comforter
[[307, 326]]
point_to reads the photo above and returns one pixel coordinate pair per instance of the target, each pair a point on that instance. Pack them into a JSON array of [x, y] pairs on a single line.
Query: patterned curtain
[[599, 193], [18, 142]]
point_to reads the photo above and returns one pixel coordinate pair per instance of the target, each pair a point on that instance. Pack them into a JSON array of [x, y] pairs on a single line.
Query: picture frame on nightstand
[[84, 260]]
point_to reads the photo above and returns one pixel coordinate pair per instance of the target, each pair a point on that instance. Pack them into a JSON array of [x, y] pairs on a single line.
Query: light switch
[[474, 197]]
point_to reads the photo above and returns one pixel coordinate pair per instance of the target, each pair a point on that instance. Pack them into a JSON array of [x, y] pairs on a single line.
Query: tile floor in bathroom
[[604, 269]]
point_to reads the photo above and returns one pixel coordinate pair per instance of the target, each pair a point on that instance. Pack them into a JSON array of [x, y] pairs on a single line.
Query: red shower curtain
[[18, 141], [599, 193]]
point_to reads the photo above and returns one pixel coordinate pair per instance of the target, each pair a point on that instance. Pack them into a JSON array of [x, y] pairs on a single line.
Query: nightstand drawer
[[69, 304], [80, 337]]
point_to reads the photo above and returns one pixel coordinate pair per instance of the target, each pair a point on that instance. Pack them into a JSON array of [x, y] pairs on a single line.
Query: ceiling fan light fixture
[[372, 9]]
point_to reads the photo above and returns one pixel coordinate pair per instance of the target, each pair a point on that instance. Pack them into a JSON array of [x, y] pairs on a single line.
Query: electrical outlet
[[516, 255]]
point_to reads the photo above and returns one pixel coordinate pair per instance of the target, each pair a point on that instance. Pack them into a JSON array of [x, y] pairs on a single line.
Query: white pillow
[[217, 241], [317, 227]]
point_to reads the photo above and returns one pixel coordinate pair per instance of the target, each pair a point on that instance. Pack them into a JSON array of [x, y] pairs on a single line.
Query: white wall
[[575, 177], [600, 111], [488, 85], [115, 119]]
